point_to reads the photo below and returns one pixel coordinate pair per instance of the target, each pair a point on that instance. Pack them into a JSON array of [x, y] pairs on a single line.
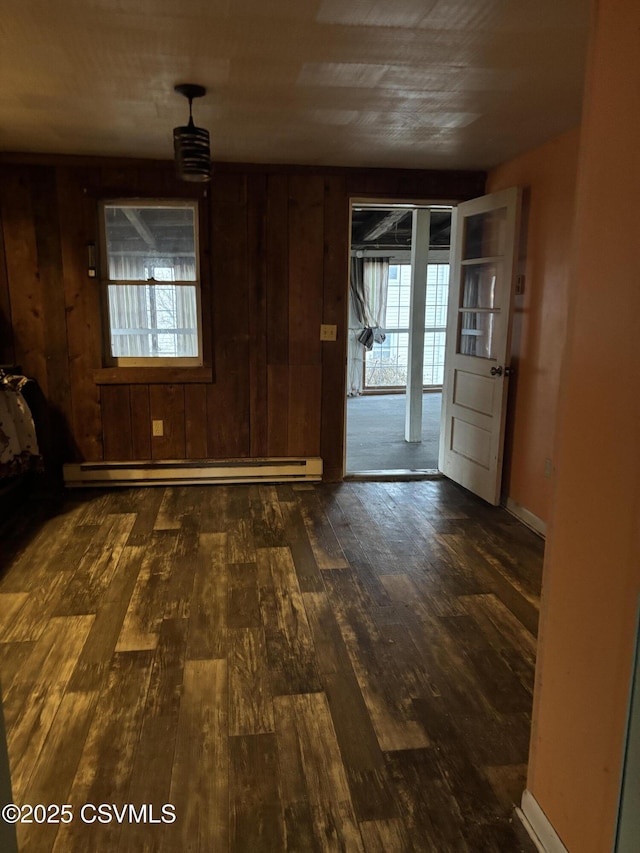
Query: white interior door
[[474, 395]]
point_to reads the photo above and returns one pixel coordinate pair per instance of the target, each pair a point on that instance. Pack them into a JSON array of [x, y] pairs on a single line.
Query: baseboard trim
[[538, 826], [169, 472], [526, 517]]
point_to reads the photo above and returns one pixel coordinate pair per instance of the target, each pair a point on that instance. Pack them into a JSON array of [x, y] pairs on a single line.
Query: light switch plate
[[157, 428], [328, 333]]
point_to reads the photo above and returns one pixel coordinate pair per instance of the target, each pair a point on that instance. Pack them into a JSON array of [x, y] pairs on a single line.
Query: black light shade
[[191, 143]]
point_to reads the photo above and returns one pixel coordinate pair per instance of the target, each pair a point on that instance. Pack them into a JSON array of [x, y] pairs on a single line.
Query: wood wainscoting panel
[[167, 405], [140, 421], [196, 423], [117, 433], [7, 351], [23, 274], [335, 311], [77, 211], [277, 269], [306, 255], [44, 194], [305, 391], [257, 279], [274, 267]]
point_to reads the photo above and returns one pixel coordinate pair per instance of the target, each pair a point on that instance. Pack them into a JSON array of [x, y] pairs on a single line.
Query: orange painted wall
[[591, 583], [548, 175]]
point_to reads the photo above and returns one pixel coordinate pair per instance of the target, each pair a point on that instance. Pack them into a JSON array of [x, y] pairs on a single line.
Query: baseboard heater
[[178, 472]]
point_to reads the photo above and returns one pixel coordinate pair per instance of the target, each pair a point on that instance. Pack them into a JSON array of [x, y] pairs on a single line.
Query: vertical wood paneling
[[78, 226], [116, 423], [306, 196], [228, 407], [256, 254], [278, 415], [277, 270], [408, 184], [167, 404], [206, 284], [25, 286], [44, 200], [274, 267], [305, 391], [277, 315], [140, 422], [335, 306], [228, 400], [195, 418], [229, 258], [7, 354]]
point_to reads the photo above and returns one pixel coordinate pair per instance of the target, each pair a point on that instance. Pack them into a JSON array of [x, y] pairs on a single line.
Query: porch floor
[[375, 433]]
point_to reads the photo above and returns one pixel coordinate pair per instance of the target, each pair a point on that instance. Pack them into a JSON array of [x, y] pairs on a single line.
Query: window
[[435, 322], [386, 365], [152, 283]]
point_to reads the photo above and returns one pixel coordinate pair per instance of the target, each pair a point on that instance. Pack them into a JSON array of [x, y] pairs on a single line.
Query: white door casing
[[474, 397]]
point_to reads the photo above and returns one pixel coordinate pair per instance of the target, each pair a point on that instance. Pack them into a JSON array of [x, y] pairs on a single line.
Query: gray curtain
[[368, 285]]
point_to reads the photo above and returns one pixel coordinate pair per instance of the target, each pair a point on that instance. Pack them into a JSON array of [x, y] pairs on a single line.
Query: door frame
[[382, 202]]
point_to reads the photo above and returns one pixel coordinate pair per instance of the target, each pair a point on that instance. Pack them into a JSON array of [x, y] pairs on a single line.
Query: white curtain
[[369, 281], [152, 319]]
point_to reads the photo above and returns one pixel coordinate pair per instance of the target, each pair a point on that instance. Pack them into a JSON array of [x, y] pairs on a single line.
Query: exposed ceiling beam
[[385, 224], [136, 220]]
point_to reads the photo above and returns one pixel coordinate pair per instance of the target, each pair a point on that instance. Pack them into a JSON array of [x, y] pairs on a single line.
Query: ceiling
[[397, 83], [390, 227]]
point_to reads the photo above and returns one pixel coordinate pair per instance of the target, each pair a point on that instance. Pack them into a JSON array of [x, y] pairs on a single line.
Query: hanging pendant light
[[191, 143]]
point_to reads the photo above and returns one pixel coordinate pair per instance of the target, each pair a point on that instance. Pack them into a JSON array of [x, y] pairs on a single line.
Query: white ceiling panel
[[409, 83]]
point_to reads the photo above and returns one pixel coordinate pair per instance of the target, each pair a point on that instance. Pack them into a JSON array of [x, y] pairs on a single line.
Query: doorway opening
[[399, 283]]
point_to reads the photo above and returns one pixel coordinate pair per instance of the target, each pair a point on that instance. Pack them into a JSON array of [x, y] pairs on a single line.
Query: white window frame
[[436, 256], [106, 282]]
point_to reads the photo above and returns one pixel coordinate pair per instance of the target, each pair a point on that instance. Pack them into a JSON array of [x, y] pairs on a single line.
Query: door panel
[[478, 338], [473, 392]]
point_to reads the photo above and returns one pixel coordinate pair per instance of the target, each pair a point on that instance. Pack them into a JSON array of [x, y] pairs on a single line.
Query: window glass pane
[[476, 336], [153, 320], [433, 365], [485, 234], [479, 286], [150, 241], [398, 297], [437, 295], [386, 365]]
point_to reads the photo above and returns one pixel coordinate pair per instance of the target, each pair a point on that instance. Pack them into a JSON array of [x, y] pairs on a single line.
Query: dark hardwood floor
[[293, 668]]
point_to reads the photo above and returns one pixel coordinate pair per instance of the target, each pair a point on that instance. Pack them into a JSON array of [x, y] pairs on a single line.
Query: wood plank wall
[[276, 264]]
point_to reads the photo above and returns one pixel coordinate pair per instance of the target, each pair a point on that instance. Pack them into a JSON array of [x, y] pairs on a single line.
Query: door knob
[[496, 371]]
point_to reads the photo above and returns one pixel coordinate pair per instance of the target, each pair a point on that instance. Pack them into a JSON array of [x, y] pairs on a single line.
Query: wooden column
[[419, 259]]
